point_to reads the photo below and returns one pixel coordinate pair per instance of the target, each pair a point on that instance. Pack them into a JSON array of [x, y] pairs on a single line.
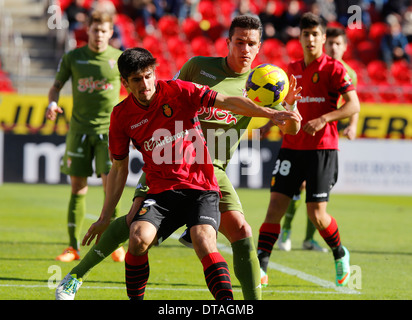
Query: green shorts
[[229, 202], [81, 150]]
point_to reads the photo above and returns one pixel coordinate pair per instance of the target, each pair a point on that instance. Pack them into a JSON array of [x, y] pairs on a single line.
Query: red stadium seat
[[215, 30], [294, 49], [377, 71], [376, 31], [401, 72], [226, 9], [221, 47], [191, 28], [207, 9], [177, 47], [367, 51], [152, 44], [201, 46], [273, 49], [169, 26], [355, 36]]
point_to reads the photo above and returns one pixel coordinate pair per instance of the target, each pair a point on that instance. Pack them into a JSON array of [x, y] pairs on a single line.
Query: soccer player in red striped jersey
[[312, 154], [160, 118]]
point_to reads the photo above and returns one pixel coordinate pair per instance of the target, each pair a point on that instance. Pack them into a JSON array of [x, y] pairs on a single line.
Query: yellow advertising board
[[24, 114], [376, 121]]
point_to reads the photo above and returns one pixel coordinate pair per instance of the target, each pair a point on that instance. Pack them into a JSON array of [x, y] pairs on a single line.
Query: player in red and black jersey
[[160, 118], [311, 155]]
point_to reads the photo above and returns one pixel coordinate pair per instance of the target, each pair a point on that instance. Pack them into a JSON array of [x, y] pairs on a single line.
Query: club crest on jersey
[[315, 77], [143, 211], [167, 110], [112, 63]]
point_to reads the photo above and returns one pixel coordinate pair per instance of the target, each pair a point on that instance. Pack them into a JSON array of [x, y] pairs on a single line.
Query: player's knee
[[140, 239], [204, 239], [137, 245]]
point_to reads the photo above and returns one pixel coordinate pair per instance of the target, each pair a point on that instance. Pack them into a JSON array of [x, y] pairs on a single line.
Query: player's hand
[[95, 231], [280, 117], [314, 125], [350, 132], [52, 111], [293, 92]]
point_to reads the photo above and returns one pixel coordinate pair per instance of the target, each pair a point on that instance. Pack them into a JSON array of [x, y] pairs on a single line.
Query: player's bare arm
[[116, 180], [349, 108], [350, 130], [290, 126], [246, 107], [54, 94]]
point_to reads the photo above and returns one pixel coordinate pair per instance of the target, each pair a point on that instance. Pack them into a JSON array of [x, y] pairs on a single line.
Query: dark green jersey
[[351, 72], [95, 85], [224, 127]]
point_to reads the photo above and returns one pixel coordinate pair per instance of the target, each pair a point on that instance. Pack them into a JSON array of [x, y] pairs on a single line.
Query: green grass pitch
[[375, 229]]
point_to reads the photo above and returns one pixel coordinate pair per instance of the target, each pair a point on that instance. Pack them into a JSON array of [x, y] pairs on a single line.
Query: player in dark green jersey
[[96, 85], [228, 76]]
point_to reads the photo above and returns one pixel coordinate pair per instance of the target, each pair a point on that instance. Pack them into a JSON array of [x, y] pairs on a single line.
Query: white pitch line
[[276, 266], [170, 289]]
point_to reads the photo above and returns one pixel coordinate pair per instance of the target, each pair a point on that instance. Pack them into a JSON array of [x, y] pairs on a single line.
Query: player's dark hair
[[135, 60], [310, 20], [336, 32], [246, 22]]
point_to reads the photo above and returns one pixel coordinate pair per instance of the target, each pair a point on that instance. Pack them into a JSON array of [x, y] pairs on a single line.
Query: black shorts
[[172, 209], [319, 168]]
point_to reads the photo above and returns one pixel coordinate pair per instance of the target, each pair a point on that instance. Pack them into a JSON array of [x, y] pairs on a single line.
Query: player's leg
[[142, 235], [284, 242], [287, 178], [203, 222], [103, 163], [270, 230], [75, 217], [245, 262], [328, 229], [77, 163], [114, 236], [154, 212], [235, 228], [321, 177]]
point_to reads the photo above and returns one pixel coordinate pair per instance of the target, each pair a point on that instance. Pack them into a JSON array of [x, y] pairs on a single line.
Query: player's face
[[243, 48], [142, 85], [312, 40], [99, 36], [335, 47]]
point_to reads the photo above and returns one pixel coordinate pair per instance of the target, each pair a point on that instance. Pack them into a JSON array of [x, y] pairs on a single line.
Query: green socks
[[290, 213], [114, 236], [75, 218], [245, 264], [310, 230]]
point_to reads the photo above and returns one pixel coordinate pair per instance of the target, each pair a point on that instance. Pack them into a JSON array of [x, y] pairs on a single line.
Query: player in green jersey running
[[335, 46], [96, 89], [227, 76]]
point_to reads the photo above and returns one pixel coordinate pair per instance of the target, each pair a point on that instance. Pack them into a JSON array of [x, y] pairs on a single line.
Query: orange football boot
[[119, 254], [68, 255]]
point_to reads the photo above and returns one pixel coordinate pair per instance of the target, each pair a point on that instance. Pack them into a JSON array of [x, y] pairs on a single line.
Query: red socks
[[217, 276], [137, 274], [268, 235]]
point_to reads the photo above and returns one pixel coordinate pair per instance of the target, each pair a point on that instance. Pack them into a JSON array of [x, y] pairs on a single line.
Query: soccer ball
[[267, 85]]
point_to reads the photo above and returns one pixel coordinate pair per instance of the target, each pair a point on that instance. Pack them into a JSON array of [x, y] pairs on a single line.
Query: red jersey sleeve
[[342, 80], [118, 140], [199, 94]]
